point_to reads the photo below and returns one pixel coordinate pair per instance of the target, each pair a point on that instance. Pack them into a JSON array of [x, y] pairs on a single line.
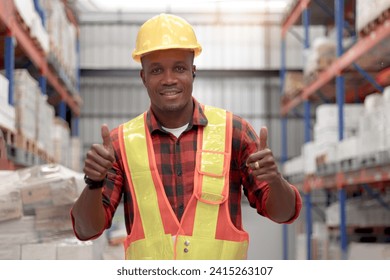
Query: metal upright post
[[284, 154], [9, 63], [75, 119], [62, 110], [340, 95], [307, 195], [43, 84]]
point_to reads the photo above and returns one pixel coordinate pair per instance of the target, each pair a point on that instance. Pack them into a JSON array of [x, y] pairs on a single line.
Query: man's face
[[168, 78]]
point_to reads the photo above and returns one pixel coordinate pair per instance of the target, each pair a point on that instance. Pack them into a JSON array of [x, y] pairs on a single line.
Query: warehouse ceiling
[[199, 11], [185, 5]]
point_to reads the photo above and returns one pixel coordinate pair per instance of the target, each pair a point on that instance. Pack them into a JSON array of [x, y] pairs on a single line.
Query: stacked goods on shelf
[[368, 223], [37, 130], [63, 38], [61, 141], [293, 84], [369, 251], [320, 56], [321, 154], [374, 127], [363, 211], [33, 22], [370, 13], [7, 111], [293, 167], [38, 225], [45, 118], [326, 133], [26, 93]]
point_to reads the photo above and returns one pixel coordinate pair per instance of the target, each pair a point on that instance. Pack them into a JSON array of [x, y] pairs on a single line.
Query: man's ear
[[193, 71], [142, 75]]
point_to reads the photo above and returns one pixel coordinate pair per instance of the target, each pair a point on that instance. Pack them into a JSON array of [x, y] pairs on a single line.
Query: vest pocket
[[152, 248], [212, 163]]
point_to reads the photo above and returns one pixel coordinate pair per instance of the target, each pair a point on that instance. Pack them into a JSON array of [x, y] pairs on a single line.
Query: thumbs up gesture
[[262, 164], [100, 157]]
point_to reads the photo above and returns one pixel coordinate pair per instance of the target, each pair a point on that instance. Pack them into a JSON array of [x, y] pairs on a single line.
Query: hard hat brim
[[138, 55]]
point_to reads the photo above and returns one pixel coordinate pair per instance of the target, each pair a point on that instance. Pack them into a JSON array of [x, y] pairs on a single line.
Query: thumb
[[263, 138], [106, 137]]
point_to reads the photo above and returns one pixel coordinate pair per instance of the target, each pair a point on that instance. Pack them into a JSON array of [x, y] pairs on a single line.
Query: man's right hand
[[100, 157]]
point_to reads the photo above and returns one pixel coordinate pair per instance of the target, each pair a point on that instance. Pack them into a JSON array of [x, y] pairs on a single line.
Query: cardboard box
[[10, 203]]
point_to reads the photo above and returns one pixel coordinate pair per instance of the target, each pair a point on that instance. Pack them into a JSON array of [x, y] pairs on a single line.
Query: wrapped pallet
[[46, 186]]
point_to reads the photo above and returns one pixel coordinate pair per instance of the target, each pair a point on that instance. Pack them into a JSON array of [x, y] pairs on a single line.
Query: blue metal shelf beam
[[9, 61], [368, 77]]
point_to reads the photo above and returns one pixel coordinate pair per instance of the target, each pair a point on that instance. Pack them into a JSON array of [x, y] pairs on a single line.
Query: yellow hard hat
[[163, 32]]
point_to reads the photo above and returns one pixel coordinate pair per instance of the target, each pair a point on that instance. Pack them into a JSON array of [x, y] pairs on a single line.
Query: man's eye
[[156, 71], [180, 69]]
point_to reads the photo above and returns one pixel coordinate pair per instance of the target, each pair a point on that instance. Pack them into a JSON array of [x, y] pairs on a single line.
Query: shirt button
[[187, 243], [179, 173], [185, 250]]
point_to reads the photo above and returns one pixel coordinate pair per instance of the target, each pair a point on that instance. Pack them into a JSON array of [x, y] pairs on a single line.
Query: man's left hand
[[262, 163]]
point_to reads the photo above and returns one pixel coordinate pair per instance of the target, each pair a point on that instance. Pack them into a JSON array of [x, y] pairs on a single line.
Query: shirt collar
[[198, 118]]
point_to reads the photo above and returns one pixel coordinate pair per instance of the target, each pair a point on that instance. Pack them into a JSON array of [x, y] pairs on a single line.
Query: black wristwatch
[[92, 185]]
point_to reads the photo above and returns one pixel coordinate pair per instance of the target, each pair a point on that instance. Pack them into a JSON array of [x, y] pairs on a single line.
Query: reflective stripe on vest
[[156, 232]]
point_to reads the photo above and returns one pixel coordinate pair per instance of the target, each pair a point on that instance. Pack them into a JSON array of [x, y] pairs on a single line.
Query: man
[[180, 166]]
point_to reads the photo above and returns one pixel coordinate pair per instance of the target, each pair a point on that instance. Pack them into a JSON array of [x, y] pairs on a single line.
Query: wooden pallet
[[26, 144], [21, 22], [9, 136], [374, 159], [372, 25]]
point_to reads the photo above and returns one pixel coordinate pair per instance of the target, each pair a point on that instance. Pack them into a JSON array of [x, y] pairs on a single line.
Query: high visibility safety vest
[[205, 230]]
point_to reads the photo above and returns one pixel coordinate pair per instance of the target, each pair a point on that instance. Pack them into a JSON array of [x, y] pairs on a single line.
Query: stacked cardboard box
[[44, 132], [7, 111], [61, 141], [62, 36], [33, 22], [26, 100]]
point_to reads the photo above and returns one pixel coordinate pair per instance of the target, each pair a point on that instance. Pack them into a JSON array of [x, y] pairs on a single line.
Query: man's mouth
[[169, 92]]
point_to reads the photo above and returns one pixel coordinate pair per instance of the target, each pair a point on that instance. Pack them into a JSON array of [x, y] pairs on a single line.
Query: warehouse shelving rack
[[12, 28], [352, 68]]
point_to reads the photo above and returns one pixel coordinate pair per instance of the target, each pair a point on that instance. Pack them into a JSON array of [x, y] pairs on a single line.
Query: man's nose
[[169, 77]]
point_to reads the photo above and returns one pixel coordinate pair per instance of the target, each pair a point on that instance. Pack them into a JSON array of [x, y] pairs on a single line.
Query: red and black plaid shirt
[[175, 158]]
